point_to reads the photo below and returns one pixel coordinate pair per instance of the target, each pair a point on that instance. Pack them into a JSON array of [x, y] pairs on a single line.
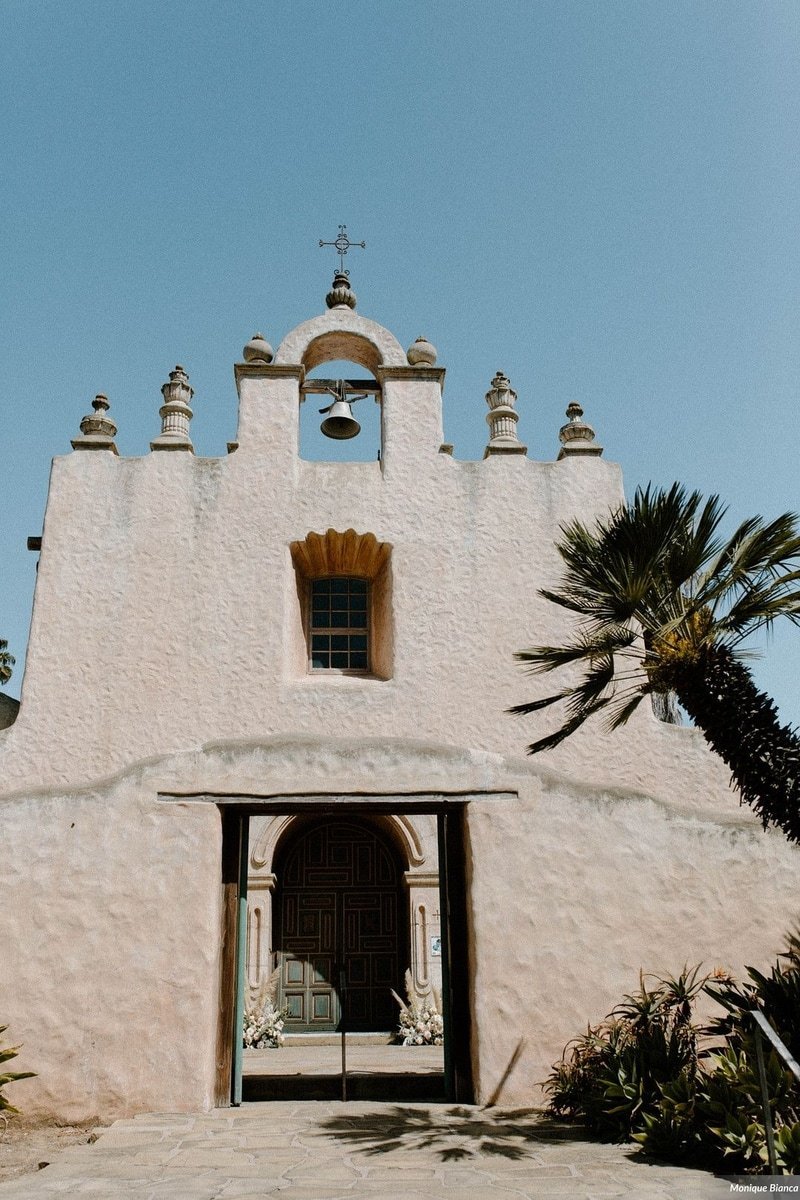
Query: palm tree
[[666, 603], [6, 662]]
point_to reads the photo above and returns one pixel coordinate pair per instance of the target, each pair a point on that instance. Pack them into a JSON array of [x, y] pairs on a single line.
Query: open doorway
[[339, 910]]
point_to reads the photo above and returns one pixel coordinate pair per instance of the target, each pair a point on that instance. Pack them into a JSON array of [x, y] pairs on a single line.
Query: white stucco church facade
[[258, 676]]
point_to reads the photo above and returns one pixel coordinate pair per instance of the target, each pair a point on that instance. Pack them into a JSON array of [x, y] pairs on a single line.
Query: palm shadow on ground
[[454, 1133]]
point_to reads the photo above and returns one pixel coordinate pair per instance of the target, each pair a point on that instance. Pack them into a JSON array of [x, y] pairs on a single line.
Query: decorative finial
[[502, 418], [175, 413], [577, 437], [98, 430], [341, 295], [421, 353], [342, 244], [258, 349]]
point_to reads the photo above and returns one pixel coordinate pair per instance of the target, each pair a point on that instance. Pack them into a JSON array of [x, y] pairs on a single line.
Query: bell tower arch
[[272, 386]]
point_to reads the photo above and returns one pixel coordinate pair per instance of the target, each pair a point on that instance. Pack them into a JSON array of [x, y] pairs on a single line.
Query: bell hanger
[[340, 424]]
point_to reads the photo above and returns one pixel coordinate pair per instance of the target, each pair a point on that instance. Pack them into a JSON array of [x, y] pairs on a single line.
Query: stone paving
[[327, 1151]]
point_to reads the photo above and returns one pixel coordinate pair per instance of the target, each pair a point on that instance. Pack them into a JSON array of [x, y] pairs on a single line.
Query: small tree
[[6, 662], [664, 603]]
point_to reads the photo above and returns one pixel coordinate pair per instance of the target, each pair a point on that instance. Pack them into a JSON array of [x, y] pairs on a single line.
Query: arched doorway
[[340, 935]]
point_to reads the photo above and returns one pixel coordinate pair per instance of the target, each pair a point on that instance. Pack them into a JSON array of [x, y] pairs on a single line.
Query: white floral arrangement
[[421, 1022], [263, 1020]]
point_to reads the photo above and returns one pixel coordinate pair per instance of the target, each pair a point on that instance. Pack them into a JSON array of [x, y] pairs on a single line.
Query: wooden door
[[338, 929]]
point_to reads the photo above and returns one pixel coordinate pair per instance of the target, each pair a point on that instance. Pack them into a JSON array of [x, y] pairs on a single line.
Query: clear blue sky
[[601, 199]]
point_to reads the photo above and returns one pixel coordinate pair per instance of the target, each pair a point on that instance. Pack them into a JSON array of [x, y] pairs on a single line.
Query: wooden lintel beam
[[351, 385]]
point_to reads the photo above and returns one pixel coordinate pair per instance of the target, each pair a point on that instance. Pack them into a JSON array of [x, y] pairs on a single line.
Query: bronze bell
[[340, 422]]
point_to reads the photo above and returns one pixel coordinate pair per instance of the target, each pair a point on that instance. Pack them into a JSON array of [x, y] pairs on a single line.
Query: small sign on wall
[[436, 947]]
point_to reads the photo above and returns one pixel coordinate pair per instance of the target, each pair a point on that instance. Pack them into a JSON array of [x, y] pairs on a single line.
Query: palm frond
[[595, 682], [757, 608], [758, 544], [575, 603], [586, 646], [556, 738], [582, 702], [622, 713], [532, 706]]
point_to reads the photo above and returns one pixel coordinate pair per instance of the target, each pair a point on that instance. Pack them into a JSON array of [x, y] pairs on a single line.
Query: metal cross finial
[[342, 245]]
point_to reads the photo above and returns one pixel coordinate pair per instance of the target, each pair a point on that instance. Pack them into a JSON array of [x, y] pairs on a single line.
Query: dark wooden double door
[[339, 930]]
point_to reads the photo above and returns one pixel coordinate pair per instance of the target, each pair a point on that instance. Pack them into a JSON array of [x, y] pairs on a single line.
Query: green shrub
[[7, 1053], [641, 1075]]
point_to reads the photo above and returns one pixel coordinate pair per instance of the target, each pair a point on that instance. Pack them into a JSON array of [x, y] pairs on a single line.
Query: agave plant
[[7, 1053], [642, 1074], [611, 1077], [776, 994], [665, 604]]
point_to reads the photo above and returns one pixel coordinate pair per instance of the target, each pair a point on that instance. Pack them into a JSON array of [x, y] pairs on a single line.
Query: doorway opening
[[340, 941], [338, 915]]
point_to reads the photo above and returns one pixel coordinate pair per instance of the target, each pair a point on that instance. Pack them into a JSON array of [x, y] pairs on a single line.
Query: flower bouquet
[[421, 1021], [263, 1020]]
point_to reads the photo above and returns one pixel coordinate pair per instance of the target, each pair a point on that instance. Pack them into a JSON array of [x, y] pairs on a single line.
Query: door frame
[[457, 971]]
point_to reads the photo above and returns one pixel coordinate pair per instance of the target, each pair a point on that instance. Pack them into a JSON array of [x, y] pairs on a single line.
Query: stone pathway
[[324, 1151]]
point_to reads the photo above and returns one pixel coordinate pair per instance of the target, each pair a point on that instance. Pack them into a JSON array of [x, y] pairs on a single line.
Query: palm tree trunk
[[741, 724]]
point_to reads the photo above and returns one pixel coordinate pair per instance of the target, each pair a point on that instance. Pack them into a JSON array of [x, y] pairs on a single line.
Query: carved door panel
[[338, 922], [308, 957]]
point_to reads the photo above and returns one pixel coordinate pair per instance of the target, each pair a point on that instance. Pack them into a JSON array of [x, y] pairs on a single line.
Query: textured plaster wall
[[111, 973], [169, 580], [110, 941], [609, 884]]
